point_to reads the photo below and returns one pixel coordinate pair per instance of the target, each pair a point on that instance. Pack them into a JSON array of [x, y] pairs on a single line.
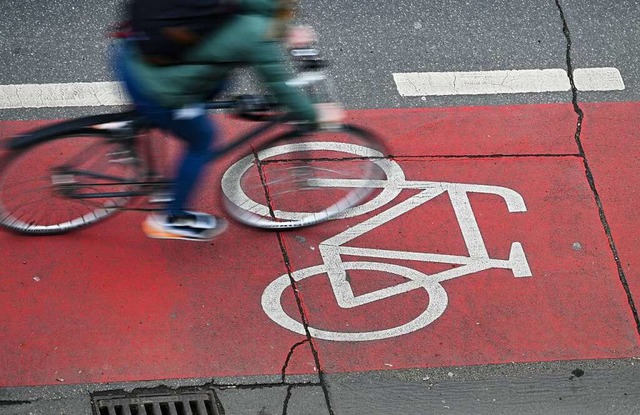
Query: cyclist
[[170, 85]]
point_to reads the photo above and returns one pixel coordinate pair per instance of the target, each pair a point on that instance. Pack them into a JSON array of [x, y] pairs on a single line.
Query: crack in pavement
[[482, 156], [15, 403], [288, 359], [285, 407], [305, 321], [296, 293], [589, 173]]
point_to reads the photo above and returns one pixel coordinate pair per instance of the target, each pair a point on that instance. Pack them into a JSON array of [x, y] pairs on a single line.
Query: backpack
[[164, 30]]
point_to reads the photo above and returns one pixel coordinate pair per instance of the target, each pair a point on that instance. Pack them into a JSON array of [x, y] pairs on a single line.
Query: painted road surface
[[528, 150], [494, 248]]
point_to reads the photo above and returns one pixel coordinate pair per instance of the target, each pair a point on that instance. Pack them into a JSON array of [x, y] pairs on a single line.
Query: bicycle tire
[[50, 212], [301, 179]]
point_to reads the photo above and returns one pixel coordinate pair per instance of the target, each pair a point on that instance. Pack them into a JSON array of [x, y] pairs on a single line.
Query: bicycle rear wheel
[[67, 182], [301, 179]]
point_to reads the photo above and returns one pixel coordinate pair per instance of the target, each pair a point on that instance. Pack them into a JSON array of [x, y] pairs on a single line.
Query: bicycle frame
[[111, 156], [125, 128]]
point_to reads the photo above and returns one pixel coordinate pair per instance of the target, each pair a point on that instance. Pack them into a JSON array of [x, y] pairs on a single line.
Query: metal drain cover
[[176, 402]]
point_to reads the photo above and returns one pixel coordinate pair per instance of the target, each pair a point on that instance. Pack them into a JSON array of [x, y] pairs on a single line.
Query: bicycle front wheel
[[65, 183], [301, 179]]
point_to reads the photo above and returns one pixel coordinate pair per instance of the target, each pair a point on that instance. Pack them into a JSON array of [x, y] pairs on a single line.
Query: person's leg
[[198, 131], [194, 127]]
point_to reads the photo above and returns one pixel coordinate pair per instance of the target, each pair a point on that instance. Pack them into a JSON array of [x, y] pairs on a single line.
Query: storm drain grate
[[183, 403]]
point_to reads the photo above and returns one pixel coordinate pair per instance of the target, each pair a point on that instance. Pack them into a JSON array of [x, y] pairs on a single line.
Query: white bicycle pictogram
[[335, 247]]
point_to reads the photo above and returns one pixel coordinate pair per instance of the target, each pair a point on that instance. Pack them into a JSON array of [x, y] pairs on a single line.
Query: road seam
[[305, 322], [588, 171], [299, 301]]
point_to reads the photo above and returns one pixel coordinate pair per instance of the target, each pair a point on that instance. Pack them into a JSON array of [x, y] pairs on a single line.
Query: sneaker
[[190, 226]]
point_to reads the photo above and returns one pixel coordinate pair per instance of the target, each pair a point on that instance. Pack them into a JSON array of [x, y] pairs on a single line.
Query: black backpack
[[164, 30]]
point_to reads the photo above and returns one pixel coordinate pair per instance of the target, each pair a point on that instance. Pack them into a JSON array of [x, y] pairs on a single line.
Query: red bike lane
[[106, 304]]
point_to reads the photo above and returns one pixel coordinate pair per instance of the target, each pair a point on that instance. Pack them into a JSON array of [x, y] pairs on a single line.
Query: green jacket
[[247, 38]]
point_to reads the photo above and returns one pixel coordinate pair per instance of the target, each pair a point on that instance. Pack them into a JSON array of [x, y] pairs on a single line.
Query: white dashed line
[[82, 94], [93, 94], [506, 82]]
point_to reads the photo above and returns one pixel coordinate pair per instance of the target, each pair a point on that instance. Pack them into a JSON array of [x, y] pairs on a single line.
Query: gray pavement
[[63, 41], [572, 387]]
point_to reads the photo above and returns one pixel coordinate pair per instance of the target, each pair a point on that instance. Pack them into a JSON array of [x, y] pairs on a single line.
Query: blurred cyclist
[[178, 57]]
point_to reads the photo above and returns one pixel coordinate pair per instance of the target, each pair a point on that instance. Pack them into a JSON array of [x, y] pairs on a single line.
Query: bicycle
[[76, 173]]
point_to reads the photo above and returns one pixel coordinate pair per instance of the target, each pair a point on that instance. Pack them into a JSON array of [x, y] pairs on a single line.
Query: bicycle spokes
[[60, 184]]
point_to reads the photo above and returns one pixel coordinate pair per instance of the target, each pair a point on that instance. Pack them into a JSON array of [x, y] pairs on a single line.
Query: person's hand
[[329, 113], [300, 37]]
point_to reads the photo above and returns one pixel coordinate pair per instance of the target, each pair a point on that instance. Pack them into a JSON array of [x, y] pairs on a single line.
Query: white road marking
[[79, 94], [94, 94], [334, 249], [598, 79], [506, 82]]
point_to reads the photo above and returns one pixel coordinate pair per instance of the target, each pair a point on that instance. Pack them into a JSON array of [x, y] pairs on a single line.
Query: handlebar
[[311, 77]]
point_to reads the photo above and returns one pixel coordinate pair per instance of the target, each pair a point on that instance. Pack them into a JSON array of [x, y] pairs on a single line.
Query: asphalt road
[[64, 41], [367, 41]]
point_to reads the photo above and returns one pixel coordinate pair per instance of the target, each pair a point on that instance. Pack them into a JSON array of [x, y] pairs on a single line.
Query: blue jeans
[[191, 125]]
